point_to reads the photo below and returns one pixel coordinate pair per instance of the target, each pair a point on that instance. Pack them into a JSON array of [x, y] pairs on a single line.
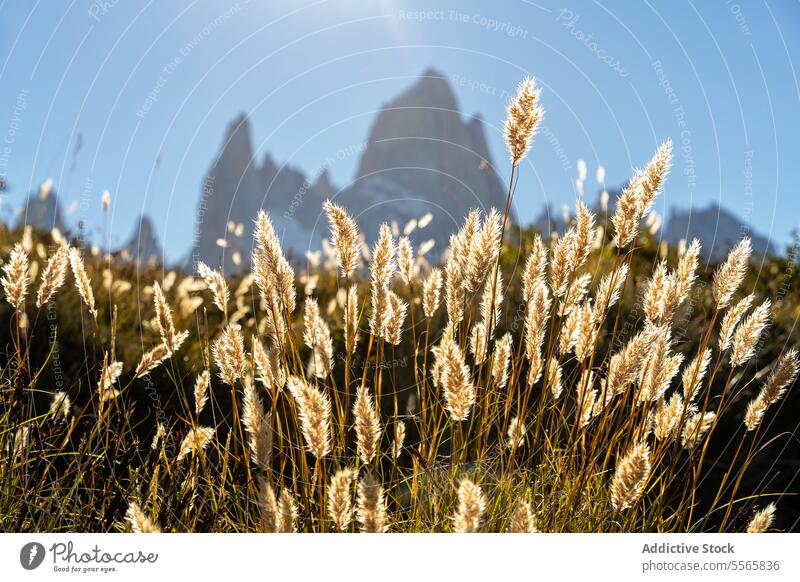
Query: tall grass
[[395, 396]]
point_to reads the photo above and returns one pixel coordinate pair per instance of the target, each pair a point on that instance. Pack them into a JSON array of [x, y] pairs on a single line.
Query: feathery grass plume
[[553, 378], [166, 325], [257, 423], [628, 217], [747, 334], [228, 352], [522, 519], [287, 513], [381, 271], [317, 336], [774, 388], [516, 433], [456, 269], [405, 259], [395, 317], [216, 282], [586, 335], [431, 292], [109, 374], [17, 276], [367, 425], [351, 320], [453, 376], [535, 268], [471, 505], [655, 173], [344, 238], [53, 276], [762, 520], [569, 331], [271, 270], [502, 358], [694, 373], [686, 273], [315, 415], [659, 368], [201, 391], [60, 406], [731, 320], [195, 441], [483, 331], [666, 417], [371, 506], [624, 366], [522, 116], [151, 359], [630, 477], [82, 281], [161, 433], [730, 274], [275, 324], [575, 293], [340, 498], [138, 521], [267, 504], [268, 363], [654, 300], [695, 428], [584, 234], [586, 398], [18, 440], [535, 328], [399, 438], [561, 265], [454, 291], [608, 292], [483, 250]]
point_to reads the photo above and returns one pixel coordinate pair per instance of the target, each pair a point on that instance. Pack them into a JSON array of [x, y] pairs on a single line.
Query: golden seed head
[[695, 429], [53, 276], [371, 506], [431, 292], [228, 352], [216, 282], [257, 422], [195, 441], [17, 275], [344, 238], [405, 259], [747, 334], [762, 520], [315, 416], [399, 438], [340, 498], [522, 520], [731, 319], [630, 477], [82, 281], [367, 425], [522, 117], [138, 521], [730, 274], [317, 336], [471, 506], [694, 373]]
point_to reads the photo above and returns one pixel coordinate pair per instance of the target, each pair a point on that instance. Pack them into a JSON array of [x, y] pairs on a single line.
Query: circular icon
[[31, 555]]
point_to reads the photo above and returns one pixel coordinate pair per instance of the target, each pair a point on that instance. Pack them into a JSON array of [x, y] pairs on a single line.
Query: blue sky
[[150, 88]]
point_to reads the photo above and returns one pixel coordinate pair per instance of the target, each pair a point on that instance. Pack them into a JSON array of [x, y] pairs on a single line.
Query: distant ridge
[[420, 157]]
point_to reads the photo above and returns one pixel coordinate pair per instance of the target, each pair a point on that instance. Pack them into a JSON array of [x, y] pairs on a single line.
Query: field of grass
[[596, 381]]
